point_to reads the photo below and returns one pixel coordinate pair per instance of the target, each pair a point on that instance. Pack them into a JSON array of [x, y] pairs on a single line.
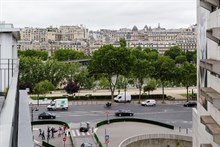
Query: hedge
[[100, 97], [97, 140], [135, 120], [45, 144]]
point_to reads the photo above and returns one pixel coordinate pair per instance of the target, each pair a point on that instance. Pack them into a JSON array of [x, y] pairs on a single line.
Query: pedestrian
[[69, 132], [59, 131], [40, 132], [48, 133], [52, 132], [64, 127], [42, 135]]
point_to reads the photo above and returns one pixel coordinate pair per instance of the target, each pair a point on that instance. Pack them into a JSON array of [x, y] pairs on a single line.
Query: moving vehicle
[[124, 113], [46, 115], [84, 127], [149, 102], [190, 104], [122, 97], [86, 145], [58, 104]]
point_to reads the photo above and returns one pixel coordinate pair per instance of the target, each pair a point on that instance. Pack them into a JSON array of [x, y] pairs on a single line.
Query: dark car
[[46, 115], [190, 104], [124, 113], [86, 145], [84, 127]]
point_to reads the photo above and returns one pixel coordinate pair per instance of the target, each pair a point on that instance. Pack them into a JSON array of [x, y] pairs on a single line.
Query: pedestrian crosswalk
[[76, 133]]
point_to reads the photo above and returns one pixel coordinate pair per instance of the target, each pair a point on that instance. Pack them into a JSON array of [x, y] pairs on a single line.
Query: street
[[174, 114]]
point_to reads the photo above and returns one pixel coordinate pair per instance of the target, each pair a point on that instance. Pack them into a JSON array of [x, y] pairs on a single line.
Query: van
[[58, 104], [149, 102], [122, 97]]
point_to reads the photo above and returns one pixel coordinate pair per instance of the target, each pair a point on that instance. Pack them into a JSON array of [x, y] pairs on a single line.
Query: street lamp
[[32, 114]]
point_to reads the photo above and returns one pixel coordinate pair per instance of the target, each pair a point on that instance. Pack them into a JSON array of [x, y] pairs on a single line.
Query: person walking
[[40, 132], [42, 135]]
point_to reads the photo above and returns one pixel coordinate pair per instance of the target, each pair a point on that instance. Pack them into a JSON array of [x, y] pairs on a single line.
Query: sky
[[99, 14]]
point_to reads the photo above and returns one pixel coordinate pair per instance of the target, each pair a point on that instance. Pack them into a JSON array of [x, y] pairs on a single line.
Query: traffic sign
[[106, 139], [64, 139]]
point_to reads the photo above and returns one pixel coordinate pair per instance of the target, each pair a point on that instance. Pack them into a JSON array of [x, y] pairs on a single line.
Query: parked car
[[84, 127], [190, 104], [46, 115], [86, 145], [149, 102], [124, 113]]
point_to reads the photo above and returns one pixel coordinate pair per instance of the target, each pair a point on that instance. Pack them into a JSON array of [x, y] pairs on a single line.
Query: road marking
[[74, 134], [77, 132], [83, 134], [87, 133]]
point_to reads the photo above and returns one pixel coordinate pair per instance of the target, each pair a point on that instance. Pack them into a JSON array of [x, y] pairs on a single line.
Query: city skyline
[[96, 14]]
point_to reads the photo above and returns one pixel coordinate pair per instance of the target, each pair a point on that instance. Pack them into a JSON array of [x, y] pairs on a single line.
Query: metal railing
[[9, 111]]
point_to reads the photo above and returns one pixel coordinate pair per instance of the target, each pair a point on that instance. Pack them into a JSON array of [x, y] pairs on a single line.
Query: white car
[[149, 102]]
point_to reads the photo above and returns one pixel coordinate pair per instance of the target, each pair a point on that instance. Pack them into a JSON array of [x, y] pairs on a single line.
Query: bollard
[[179, 129], [186, 130]]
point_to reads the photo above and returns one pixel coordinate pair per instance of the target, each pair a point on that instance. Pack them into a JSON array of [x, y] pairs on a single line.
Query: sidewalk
[[174, 92], [56, 141]]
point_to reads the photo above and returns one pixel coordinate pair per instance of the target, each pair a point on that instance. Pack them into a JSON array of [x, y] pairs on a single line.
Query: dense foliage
[[109, 67]]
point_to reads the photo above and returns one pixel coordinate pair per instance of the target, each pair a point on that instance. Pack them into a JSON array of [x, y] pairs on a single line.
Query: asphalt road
[[174, 114]]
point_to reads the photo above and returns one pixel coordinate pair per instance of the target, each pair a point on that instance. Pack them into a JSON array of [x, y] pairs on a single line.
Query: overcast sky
[[99, 14]]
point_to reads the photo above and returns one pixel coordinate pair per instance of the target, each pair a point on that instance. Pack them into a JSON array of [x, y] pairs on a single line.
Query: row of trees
[[110, 67], [175, 66]]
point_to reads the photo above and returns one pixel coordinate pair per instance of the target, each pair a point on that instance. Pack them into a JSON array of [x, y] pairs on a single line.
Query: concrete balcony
[[212, 127], [209, 4], [214, 35], [212, 96], [205, 145], [211, 65]]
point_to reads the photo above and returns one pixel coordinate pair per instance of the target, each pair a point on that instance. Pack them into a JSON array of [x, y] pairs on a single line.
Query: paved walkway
[[56, 141], [120, 131]]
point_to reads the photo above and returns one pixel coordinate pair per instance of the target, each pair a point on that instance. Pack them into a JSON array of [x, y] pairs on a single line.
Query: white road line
[[87, 133], [73, 133], [77, 132], [83, 134]]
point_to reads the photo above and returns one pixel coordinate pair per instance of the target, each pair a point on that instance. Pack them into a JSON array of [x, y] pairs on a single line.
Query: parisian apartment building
[[206, 118], [82, 39]]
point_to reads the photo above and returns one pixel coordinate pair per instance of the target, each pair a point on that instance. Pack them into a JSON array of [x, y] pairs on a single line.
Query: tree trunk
[[187, 93], [38, 99], [162, 92], [139, 94]]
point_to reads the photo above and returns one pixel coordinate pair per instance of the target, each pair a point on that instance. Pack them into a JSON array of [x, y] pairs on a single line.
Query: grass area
[[190, 95]]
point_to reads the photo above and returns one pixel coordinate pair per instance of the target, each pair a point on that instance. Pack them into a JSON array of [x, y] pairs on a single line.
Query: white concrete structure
[[8, 53], [206, 118]]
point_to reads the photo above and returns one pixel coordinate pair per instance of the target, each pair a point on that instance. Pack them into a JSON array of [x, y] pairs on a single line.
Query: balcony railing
[[9, 112]]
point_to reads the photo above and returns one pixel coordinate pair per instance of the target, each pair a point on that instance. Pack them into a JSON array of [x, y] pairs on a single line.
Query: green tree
[[30, 72], [151, 86], [122, 42], [188, 75], [89, 83], [142, 67], [180, 59], [173, 52], [33, 53], [164, 71], [43, 87], [121, 82], [54, 71], [68, 54], [103, 83], [110, 62]]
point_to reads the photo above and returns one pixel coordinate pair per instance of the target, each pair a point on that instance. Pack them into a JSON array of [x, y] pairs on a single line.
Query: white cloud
[[97, 14]]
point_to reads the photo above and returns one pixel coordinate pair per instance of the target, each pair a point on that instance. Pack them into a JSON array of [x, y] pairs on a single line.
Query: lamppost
[[32, 114]]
